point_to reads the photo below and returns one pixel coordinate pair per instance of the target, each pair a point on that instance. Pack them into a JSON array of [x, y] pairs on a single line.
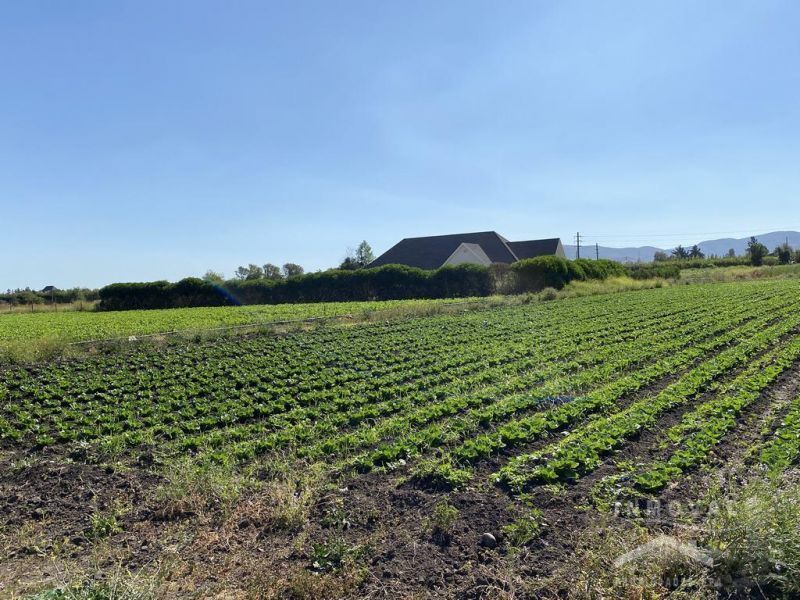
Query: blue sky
[[147, 140]]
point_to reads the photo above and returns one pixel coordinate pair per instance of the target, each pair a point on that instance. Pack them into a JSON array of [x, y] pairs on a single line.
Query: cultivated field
[[42, 330], [371, 460]]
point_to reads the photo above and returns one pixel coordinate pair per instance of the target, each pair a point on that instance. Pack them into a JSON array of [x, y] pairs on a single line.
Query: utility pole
[[596, 251], [578, 243]]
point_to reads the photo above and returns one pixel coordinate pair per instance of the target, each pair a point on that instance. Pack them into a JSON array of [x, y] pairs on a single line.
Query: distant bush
[[55, 296], [710, 263], [601, 269], [534, 274], [548, 294], [664, 269]]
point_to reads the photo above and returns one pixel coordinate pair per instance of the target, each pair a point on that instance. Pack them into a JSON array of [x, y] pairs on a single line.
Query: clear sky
[[145, 140]]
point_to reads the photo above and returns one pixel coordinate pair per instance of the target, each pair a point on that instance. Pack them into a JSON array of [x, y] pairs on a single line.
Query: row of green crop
[[504, 362], [581, 451], [517, 432], [783, 448], [408, 421], [416, 424], [248, 379], [704, 427], [238, 383], [512, 408]]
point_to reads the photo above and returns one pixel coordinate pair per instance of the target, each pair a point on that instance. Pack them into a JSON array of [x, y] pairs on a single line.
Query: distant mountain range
[[719, 247]]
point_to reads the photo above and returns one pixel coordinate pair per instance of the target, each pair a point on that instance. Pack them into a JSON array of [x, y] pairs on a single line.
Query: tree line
[[756, 254], [49, 295], [355, 259]]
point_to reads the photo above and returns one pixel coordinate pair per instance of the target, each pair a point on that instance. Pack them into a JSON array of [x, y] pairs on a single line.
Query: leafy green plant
[[104, 524], [440, 524], [333, 554], [524, 529], [441, 475]]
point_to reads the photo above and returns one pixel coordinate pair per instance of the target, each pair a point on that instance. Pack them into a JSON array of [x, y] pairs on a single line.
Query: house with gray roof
[[480, 248]]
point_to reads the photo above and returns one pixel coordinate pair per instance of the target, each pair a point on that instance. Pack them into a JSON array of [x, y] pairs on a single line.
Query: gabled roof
[[532, 248], [432, 252]]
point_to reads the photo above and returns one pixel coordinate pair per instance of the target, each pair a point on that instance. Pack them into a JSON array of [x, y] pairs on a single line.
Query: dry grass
[[194, 488], [756, 531], [596, 287], [589, 572], [752, 532], [739, 273], [7, 308], [301, 584]]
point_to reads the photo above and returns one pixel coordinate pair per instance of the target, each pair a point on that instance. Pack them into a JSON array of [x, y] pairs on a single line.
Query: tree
[[797, 255], [349, 264], [695, 252], [680, 252], [731, 253], [292, 269], [756, 251], [784, 253], [364, 254], [249, 272], [660, 256], [28, 297], [272, 271], [213, 276], [358, 258]]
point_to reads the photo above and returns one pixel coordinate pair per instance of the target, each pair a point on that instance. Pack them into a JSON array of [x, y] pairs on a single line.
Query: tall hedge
[[390, 282]]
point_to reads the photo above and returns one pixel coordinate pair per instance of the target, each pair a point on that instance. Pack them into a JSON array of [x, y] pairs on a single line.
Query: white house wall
[[464, 255]]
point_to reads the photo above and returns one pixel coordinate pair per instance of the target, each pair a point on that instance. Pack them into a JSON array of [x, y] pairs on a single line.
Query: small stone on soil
[[488, 540]]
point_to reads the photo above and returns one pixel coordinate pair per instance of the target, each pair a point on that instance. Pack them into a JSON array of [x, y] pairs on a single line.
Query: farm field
[[79, 326], [372, 460]]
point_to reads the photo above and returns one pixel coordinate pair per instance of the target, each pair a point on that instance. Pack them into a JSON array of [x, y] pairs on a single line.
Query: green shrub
[[548, 294], [600, 269], [664, 270], [534, 274], [575, 270]]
